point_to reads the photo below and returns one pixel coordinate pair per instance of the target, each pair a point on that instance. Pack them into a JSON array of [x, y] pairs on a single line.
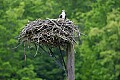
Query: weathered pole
[[70, 62]]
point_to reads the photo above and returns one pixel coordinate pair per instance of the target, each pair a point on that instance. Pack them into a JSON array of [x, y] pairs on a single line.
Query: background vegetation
[[97, 58]]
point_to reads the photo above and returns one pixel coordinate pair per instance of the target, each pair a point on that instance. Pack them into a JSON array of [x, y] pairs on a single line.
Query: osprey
[[62, 15]]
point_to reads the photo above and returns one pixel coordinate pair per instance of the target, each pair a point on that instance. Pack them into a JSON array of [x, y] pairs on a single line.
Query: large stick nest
[[53, 32]]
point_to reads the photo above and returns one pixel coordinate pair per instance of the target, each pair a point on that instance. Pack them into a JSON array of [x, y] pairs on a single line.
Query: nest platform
[[53, 32]]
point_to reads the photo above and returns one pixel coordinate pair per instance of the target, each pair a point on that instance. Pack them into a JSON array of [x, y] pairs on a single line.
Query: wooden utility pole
[[70, 62]]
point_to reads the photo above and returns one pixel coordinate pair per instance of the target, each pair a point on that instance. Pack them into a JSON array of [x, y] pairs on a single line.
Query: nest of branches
[[52, 32]]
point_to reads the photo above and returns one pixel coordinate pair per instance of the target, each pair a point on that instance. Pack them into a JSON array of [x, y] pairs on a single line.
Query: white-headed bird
[[62, 15]]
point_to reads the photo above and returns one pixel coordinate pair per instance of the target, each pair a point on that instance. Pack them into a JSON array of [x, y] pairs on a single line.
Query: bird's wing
[[60, 16]]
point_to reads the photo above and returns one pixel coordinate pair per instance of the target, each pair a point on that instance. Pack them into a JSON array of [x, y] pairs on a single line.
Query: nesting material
[[53, 32]]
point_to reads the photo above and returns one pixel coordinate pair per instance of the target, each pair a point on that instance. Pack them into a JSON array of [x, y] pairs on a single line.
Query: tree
[[99, 51]]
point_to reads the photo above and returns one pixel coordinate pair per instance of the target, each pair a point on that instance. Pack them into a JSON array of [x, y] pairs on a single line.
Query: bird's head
[[63, 10]]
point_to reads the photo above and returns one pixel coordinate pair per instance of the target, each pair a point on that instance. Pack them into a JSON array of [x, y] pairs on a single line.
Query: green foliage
[[100, 50], [97, 58]]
